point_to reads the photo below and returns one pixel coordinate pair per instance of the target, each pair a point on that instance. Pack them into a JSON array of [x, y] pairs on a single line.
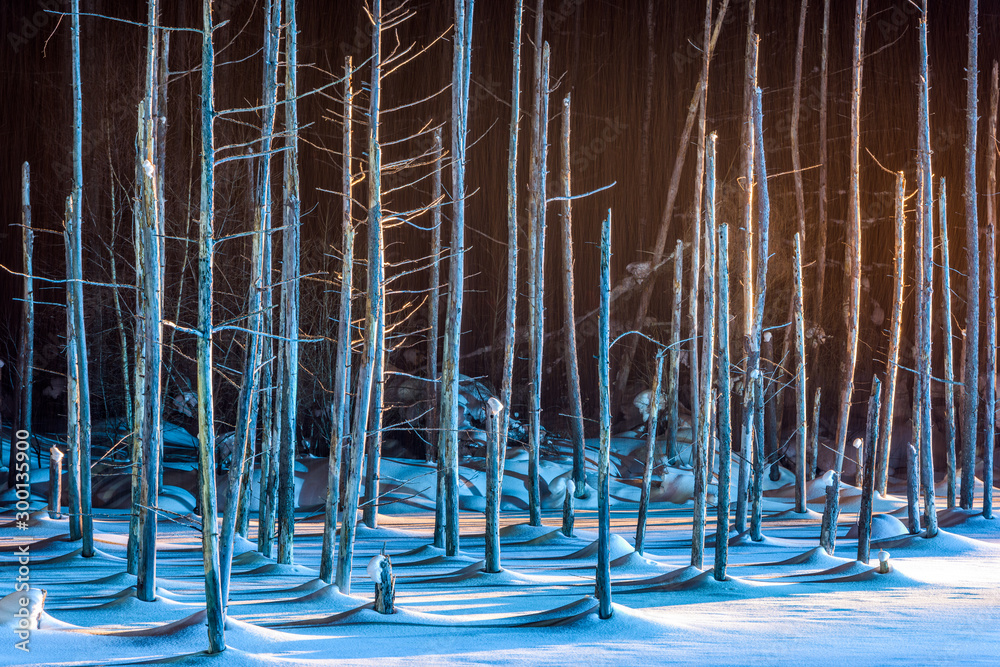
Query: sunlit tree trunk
[[724, 409], [895, 331], [374, 315], [852, 249], [800, 381], [746, 412], [342, 371], [824, 69], [970, 397], [991, 297]]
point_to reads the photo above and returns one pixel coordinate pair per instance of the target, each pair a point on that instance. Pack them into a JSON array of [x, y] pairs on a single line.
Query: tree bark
[[603, 576], [991, 296], [800, 381], [824, 69], [970, 398], [868, 483], [647, 469], [725, 416], [673, 372], [852, 250], [895, 332], [342, 371]]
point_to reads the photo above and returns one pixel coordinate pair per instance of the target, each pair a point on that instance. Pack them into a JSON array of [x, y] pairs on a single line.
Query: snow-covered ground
[[786, 601]]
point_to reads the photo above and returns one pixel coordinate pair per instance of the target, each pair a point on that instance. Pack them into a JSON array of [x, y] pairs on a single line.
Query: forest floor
[[786, 601]]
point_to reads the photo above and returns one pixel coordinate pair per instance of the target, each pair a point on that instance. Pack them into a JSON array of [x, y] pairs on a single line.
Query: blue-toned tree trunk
[[989, 408], [949, 356], [603, 576], [206, 420], [800, 378], [868, 483], [647, 470], [725, 413]]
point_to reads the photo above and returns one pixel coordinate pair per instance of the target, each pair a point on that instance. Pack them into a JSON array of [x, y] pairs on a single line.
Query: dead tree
[[895, 331], [991, 297], [970, 397], [74, 235], [206, 419], [852, 248], [289, 356], [570, 353], [603, 575]]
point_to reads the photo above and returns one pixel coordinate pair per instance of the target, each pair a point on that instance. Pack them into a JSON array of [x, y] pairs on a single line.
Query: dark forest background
[[599, 51]]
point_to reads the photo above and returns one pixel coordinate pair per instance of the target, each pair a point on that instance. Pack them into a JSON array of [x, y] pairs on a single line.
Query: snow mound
[[884, 526], [22, 609]]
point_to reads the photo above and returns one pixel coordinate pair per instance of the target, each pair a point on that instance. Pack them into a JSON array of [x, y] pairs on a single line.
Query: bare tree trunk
[[925, 283], [510, 332], [368, 373], [79, 340], [800, 382], [673, 373], [536, 261], [434, 416], [991, 296], [852, 250], [725, 415], [760, 292], [494, 468], [970, 398], [647, 469], [291, 214], [868, 485], [72, 394], [949, 359], [814, 433], [749, 141], [206, 420], [696, 241], [150, 306], [895, 331], [570, 354], [26, 356], [342, 371], [705, 436], [824, 69], [456, 269], [603, 575]]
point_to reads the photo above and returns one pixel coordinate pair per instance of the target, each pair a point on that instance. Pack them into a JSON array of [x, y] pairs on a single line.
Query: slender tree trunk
[[537, 310], [376, 288], [868, 482], [991, 296], [824, 69], [206, 421], [852, 250], [456, 268], [696, 242], [494, 467], [510, 331], [647, 470], [79, 340], [289, 296], [434, 417], [26, 356], [151, 308], [895, 331], [814, 433], [72, 395], [970, 398], [926, 282], [912, 490], [749, 140], [705, 436], [800, 381], [342, 371], [603, 575], [674, 369], [374, 315], [725, 416], [572, 364], [760, 292], [949, 360], [831, 514]]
